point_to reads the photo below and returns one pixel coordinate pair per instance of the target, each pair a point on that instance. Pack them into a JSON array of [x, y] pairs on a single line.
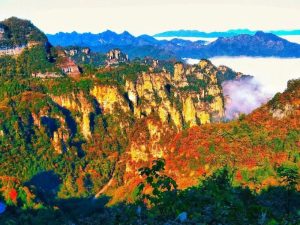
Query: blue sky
[[153, 16]]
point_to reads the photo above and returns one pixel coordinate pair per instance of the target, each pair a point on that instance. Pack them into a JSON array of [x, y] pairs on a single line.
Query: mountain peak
[[259, 33], [269, 36], [126, 33], [19, 32], [14, 19], [108, 32]]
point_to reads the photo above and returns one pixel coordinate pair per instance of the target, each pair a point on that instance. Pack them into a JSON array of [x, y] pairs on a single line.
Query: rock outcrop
[[69, 67], [116, 56], [78, 103]]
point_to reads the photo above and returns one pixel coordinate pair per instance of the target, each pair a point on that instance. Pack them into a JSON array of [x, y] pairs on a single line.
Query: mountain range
[[140, 46], [217, 34], [257, 44]]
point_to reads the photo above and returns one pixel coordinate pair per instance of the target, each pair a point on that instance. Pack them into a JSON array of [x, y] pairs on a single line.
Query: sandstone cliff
[[192, 96], [146, 111]]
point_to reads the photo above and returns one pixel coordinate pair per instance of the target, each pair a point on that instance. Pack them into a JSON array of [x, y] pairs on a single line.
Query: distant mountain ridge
[[217, 34], [141, 46], [260, 44], [257, 44]]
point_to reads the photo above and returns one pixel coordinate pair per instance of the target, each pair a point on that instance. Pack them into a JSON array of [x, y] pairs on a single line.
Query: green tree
[[290, 178], [164, 194]]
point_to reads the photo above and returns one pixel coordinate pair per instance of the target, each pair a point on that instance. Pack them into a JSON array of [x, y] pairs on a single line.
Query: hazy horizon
[[181, 37], [151, 17]]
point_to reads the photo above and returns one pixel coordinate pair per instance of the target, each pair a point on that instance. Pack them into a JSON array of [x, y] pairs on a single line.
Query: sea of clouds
[[270, 76], [243, 96]]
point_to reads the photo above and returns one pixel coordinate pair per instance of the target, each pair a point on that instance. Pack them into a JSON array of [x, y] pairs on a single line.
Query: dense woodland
[[247, 170]]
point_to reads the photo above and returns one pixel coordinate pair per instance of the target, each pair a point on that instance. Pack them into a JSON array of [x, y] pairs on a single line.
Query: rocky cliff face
[[77, 103], [191, 96], [12, 51], [17, 50], [69, 67]]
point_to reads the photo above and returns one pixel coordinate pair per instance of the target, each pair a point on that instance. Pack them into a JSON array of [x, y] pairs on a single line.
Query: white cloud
[[243, 96], [270, 76], [272, 73]]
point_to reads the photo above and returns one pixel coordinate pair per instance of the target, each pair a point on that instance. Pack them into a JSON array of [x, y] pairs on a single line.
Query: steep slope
[[254, 146], [261, 141]]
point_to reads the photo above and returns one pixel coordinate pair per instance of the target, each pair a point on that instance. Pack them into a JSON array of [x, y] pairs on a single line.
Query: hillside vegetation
[[141, 142]]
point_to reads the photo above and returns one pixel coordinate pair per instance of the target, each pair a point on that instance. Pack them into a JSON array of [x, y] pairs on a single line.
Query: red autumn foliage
[[13, 195], [239, 176]]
